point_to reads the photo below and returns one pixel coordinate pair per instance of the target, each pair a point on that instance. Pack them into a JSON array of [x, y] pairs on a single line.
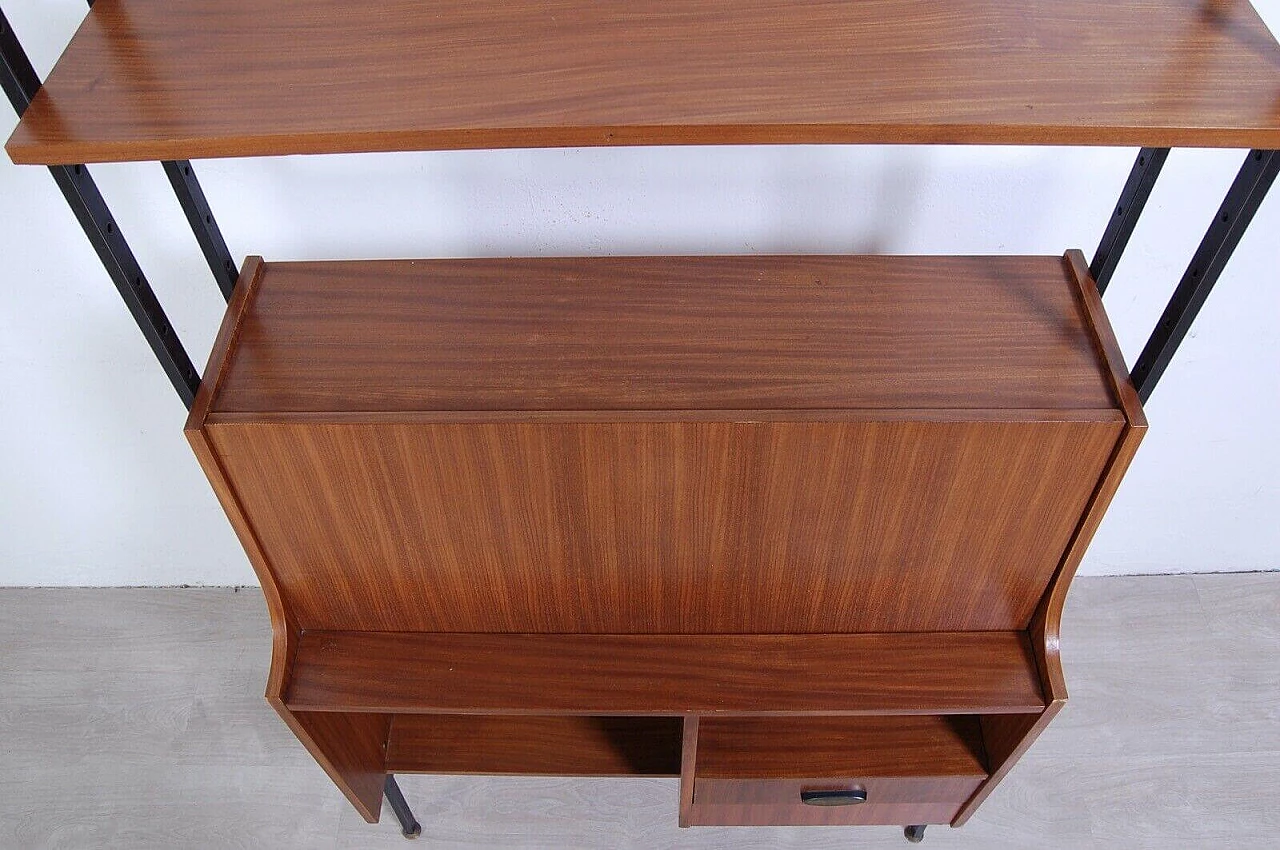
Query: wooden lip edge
[[461, 417], [1104, 338], [1045, 625], [24, 148], [219, 362], [746, 257], [293, 703]]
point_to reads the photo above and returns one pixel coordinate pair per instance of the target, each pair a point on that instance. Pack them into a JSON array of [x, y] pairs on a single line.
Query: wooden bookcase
[[525, 516], [795, 529]]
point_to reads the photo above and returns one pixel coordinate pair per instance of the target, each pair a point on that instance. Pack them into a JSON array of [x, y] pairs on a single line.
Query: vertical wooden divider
[[688, 761]]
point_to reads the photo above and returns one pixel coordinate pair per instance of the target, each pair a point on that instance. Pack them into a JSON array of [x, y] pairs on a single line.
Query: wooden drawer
[[828, 771], [889, 800]]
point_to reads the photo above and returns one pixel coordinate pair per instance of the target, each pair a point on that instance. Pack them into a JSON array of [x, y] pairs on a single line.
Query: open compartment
[[534, 745], [902, 769]]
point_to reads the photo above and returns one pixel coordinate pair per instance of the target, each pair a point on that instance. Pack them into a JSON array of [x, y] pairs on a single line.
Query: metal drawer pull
[[841, 797]]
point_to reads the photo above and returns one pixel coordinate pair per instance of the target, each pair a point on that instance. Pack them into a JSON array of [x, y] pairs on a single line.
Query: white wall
[[98, 487]]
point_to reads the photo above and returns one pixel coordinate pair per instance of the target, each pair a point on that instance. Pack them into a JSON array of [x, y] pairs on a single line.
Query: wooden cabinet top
[[158, 79], [655, 336], [661, 445]]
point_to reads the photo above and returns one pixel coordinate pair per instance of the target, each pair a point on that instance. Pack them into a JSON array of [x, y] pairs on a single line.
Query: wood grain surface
[[1046, 625], [351, 747], [665, 527], [155, 79], [957, 673], [719, 802], [669, 552], [858, 747], [664, 333], [132, 718], [523, 745], [1008, 738], [914, 769], [783, 797]]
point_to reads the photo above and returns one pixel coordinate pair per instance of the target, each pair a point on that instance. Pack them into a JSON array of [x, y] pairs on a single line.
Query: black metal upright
[[1243, 199], [1133, 198], [191, 198], [20, 83], [200, 216]]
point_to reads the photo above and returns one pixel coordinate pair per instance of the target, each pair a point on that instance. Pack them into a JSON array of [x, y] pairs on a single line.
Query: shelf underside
[[406, 672], [151, 79]]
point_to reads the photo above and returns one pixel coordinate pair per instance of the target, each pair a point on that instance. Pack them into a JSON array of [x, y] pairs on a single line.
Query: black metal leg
[[409, 826], [1146, 168], [914, 834], [21, 83], [1242, 201]]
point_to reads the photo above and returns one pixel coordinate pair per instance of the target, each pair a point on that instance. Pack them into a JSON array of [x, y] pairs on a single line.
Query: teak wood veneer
[[779, 525], [796, 529], [158, 79]]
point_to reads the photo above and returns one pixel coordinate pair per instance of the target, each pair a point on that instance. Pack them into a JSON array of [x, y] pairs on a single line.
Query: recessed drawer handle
[[841, 797]]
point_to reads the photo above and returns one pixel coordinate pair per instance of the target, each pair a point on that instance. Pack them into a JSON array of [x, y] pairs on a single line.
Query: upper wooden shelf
[[160, 79]]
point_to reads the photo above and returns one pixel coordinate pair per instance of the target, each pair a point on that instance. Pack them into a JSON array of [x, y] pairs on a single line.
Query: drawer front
[[829, 802]]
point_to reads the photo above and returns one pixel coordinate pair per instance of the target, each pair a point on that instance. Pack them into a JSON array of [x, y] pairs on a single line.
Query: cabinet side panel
[[1008, 737], [667, 527], [350, 747]]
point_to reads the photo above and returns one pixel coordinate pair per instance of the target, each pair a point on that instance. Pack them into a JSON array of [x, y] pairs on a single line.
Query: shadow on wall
[[595, 201]]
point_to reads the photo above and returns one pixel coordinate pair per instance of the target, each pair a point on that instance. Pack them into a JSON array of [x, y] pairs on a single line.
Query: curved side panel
[[1007, 737], [350, 748], [1048, 619]]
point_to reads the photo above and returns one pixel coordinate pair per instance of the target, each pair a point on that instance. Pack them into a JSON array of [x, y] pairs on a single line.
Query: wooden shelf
[[150, 79], [876, 746], [784, 333], [909, 673], [542, 746]]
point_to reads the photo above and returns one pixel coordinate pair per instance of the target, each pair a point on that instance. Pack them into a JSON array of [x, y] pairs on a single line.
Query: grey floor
[[134, 718]]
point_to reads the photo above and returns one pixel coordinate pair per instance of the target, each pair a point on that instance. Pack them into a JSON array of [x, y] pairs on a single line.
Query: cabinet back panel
[[664, 527]]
